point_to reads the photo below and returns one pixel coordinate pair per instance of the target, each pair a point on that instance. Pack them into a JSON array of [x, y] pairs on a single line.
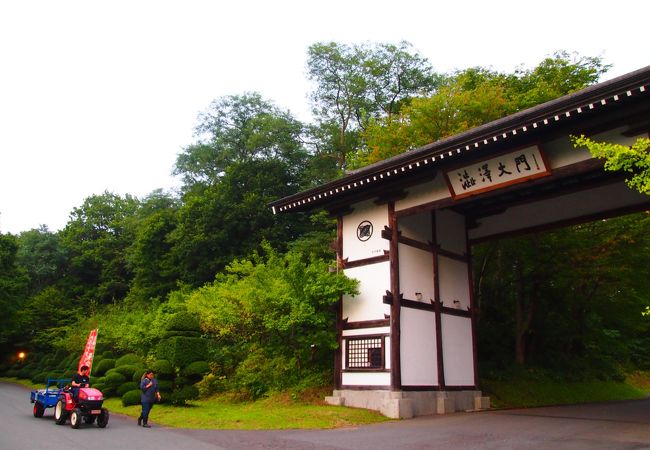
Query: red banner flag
[[89, 351]]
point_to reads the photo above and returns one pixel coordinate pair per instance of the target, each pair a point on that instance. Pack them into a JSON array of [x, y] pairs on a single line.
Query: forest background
[[217, 294]]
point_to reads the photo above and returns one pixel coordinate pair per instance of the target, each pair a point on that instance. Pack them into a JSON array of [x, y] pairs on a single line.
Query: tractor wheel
[[39, 409], [102, 419], [75, 418], [60, 414]]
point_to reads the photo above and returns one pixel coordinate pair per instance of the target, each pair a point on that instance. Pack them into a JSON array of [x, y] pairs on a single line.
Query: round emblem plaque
[[364, 230]]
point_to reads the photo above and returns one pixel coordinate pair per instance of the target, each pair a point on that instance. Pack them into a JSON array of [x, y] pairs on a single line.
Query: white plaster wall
[[418, 348], [353, 248], [366, 331], [374, 282], [366, 378], [424, 193], [565, 207], [416, 227], [450, 231], [415, 273], [454, 282], [457, 350]]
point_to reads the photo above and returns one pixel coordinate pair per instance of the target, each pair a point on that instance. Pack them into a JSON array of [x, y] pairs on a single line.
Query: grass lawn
[[271, 413], [281, 411], [221, 412]]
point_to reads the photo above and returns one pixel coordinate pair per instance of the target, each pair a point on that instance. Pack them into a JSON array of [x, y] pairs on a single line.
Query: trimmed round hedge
[[129, 359], [131, 398], [126, 387], [103, 366]]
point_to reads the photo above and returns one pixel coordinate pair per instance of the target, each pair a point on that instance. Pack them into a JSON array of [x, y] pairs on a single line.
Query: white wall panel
[[415, 273], [366, 378], [418, 348], [355, 249], [457, 350], [454, 282], [374, 282]]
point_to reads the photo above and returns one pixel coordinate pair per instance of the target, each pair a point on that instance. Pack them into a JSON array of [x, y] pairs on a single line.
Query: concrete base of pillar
[[408, 404]]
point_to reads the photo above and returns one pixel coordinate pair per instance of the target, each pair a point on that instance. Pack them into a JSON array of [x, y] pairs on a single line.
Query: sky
[[102, 96]]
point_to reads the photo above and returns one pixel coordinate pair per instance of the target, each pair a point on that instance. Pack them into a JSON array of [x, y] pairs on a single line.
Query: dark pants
[[144, 415]]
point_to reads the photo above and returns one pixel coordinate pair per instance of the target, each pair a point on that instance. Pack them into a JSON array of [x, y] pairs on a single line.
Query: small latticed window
[[365, 352]]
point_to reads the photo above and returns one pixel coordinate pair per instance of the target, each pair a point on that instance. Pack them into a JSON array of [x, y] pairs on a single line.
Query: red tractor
[[86, 407]]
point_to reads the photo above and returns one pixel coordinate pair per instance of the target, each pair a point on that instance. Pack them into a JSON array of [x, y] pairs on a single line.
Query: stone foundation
[[408, 404]]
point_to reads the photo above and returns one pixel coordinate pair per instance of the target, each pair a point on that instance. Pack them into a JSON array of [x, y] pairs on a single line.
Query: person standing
[[149, 395]]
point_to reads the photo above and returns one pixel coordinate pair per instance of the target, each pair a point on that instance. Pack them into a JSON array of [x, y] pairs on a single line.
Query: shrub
[[104, 365], [129, 359], [184, 321], [180, 396], [114, 379], [181, 351], [196, 370], [163, 369], [126, 387], [129, 370], [131, 398], [165, 385]]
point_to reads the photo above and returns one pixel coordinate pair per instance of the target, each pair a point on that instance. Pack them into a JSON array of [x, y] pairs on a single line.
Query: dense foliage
[[216, 293]]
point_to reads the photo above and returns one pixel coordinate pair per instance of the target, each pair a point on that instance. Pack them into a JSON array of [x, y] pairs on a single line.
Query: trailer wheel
[[102, 419], [75, 418], [60, 414], [39, 409]]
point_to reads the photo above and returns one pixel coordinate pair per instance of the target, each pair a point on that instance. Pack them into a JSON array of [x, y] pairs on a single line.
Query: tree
[[149, 257], [97, 238], [240, 128], [470, 98], [13, 287], [355, 83], [41, 256], [633, 159]]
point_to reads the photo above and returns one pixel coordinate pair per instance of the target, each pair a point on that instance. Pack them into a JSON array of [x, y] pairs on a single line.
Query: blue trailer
[[47, 398]]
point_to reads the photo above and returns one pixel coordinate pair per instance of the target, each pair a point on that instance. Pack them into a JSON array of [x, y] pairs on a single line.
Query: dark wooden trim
[[365, 387], [418, 305], [422, 387], [455, 311], [461, 388], [570, 170], [546, 173], [437, 303], [472, 306], [338, 354], [361, 324], [366, 261], [451, 255], [341, 211], [426, 246], [395, 307], [392, 196]]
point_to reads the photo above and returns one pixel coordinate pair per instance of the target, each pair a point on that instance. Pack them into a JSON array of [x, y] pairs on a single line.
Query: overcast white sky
[[102, 95]]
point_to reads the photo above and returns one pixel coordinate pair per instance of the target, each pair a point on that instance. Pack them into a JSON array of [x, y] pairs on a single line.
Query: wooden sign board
[[495, 173]]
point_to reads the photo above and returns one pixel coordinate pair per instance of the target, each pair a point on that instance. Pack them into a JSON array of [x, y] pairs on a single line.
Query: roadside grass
[[221, 412], [529, 393], [279, 411], [308, 411]]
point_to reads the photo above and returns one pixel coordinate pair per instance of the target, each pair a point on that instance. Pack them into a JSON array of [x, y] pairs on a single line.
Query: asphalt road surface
[[617, 425]]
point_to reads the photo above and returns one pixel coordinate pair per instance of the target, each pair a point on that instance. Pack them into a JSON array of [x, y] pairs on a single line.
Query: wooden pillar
[[472, 306], [395, 307], [437, 303], [338, 354]]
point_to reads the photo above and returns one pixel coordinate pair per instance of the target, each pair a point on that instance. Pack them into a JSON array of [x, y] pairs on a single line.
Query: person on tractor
[[80, 380]]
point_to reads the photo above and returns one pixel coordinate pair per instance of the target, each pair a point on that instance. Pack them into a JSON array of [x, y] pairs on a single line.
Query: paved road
[[618, 425]]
